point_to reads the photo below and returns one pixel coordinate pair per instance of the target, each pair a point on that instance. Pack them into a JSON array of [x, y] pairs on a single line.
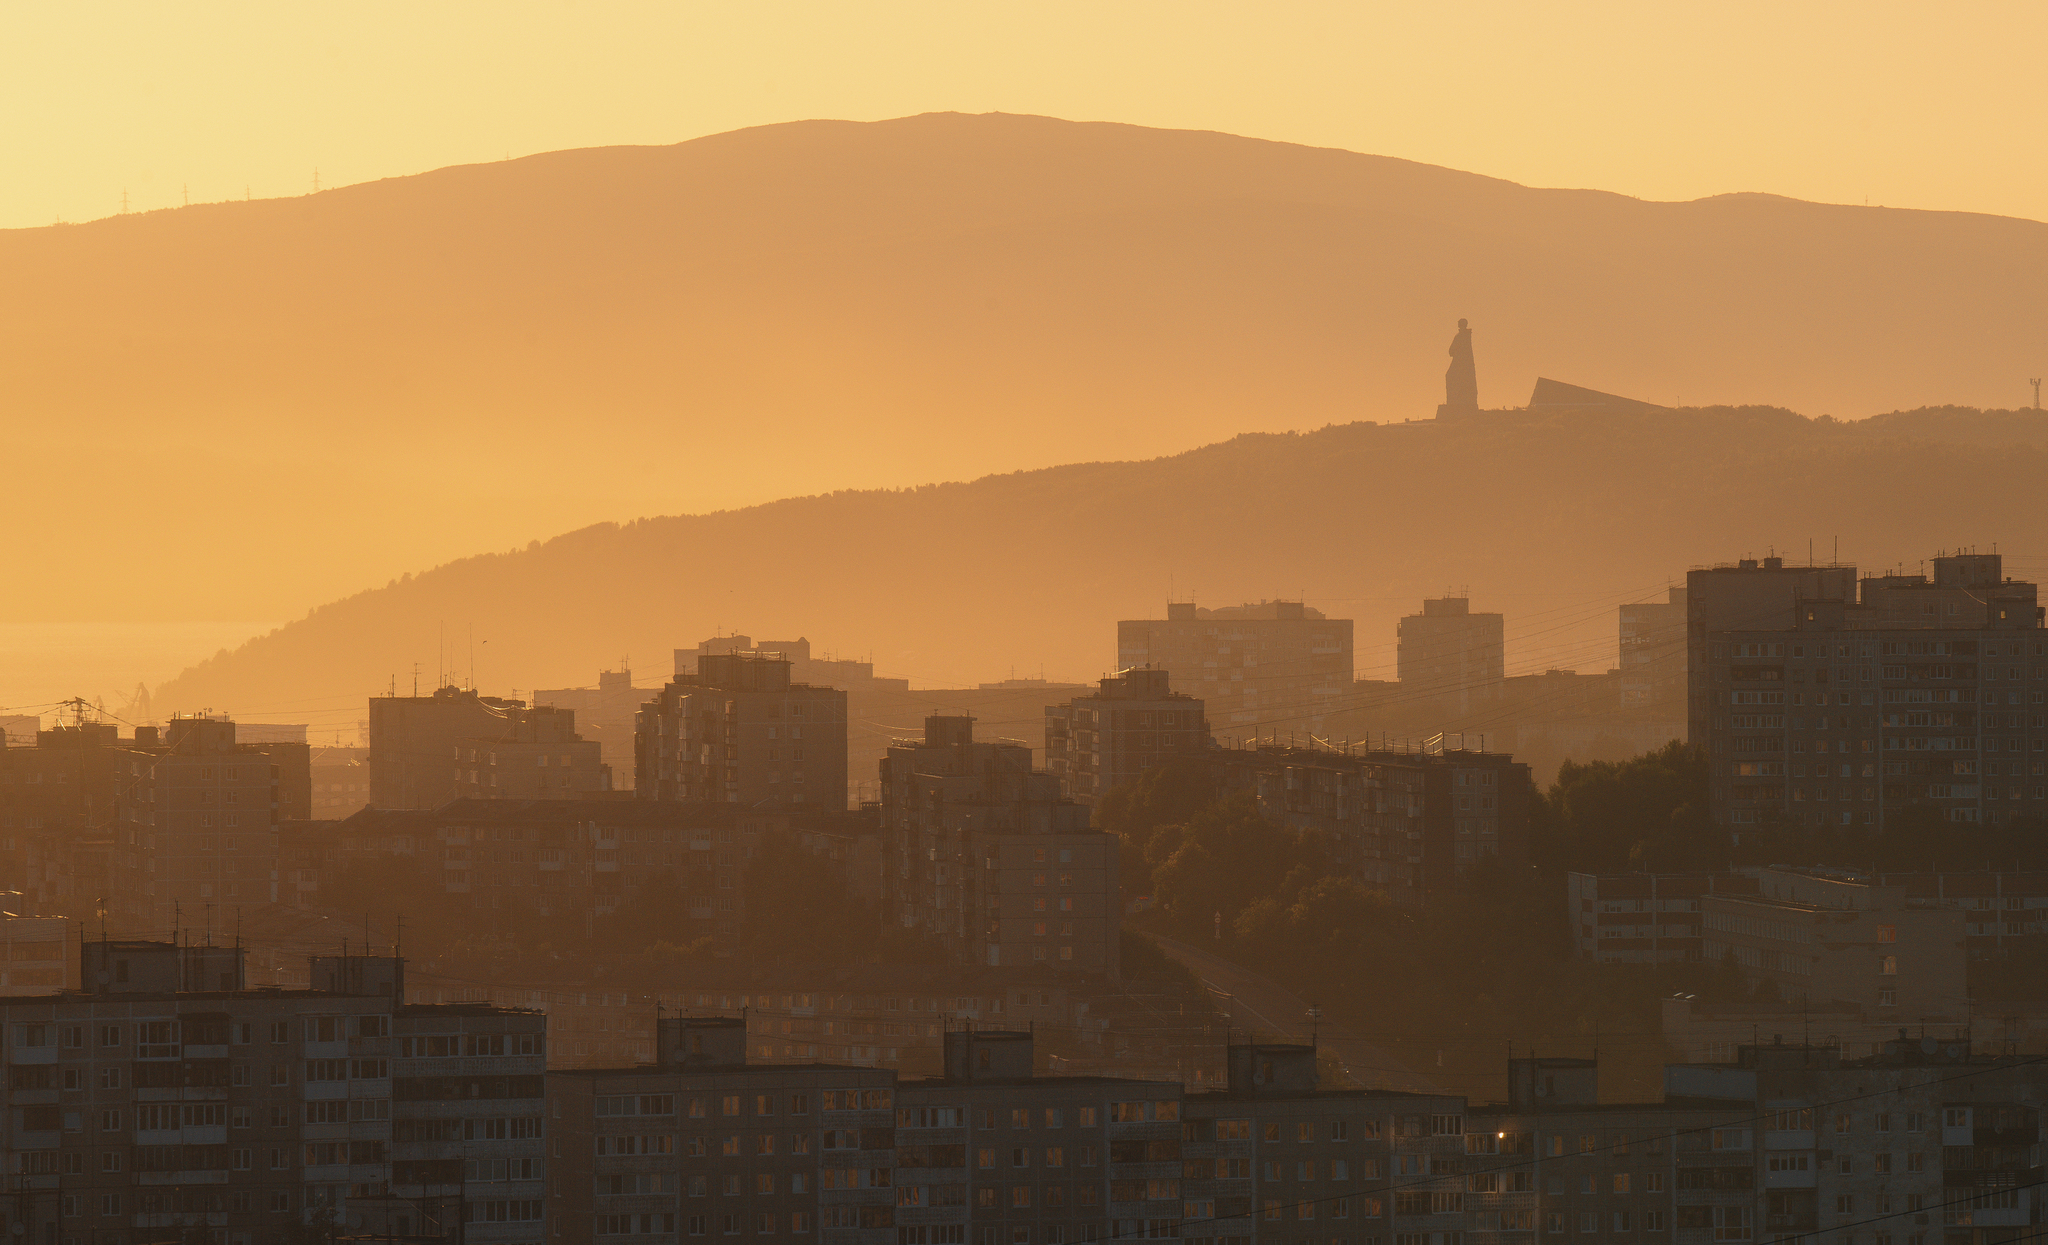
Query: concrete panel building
[[1449, 652], [428, 750], [739, 731], [1652, 652], [1133, 722], [986, 855], [166, 1102], [1263, 669], [1925, 693], [1835, 937]]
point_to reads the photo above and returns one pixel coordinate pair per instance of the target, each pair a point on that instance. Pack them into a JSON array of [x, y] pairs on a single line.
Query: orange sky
[[1911, 105]]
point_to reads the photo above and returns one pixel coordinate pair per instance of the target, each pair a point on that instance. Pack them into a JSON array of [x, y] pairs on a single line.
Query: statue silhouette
[[1461, 380]]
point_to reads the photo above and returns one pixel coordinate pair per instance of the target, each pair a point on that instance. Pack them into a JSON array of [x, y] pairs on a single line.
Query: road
[[1256, 1003]]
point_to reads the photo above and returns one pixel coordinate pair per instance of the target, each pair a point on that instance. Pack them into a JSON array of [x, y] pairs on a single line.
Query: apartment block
[[703, 1143], [1652, 651], [1133, 722], [1644, 918], [1837, 937], [428, 750], [1775, 1144], [1450, 653], [166, 1102], [505, 858], [1641, 918], [197, 827], [739, 731], [986, 855], [1403, 823], [1924, 1140], [1920, 692], [138, 824], [37, 955], [1275, 1158], [1262, 669]]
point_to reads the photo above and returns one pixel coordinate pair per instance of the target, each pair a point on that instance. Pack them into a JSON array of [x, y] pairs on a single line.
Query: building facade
[[703, 1143], [1450, 653], [153, 1107], [985, 855], [589, 858], [739, 731], [198, 828], [1652, 652], [1401, 823], [1776, 1144], [1275, 667], [1833, 937], [1923, 694], [428, 750], [1133, 722]]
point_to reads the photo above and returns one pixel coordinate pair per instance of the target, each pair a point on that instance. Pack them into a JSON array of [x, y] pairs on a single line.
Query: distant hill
[[1553, 518], [233, 410]]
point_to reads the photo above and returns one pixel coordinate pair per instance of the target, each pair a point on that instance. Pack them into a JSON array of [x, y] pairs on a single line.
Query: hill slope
[[232, 410], [1552, 518]]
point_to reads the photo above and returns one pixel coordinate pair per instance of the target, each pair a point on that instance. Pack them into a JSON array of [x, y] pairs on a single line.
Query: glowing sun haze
[[1909, 105]]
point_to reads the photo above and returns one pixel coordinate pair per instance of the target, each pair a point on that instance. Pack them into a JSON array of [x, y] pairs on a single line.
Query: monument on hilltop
[[1461, 389], [1461, 379]]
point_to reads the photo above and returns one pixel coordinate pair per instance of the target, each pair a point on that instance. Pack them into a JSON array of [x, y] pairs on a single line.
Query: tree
[[1603, 815], [1167, 796], [799, 906], [1227, 858]]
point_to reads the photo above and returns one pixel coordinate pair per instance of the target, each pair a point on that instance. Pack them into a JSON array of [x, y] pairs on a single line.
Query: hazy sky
[[1920, 105]]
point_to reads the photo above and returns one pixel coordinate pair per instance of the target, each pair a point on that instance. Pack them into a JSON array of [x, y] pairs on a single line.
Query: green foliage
[[1169, 796], [1226, 859], [1648, 812]]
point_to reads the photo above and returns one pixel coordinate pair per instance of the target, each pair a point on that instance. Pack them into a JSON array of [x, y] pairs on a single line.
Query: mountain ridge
[[953, 610], [235, 410]]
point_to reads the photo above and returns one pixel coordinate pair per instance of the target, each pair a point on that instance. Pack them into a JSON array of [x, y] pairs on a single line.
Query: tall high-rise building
[[985, 854], [1841, 710], [1759, 594], [1134, 722], [197, 828], [1263, 669], [428, 750], [738, 730], [1448, 652]]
